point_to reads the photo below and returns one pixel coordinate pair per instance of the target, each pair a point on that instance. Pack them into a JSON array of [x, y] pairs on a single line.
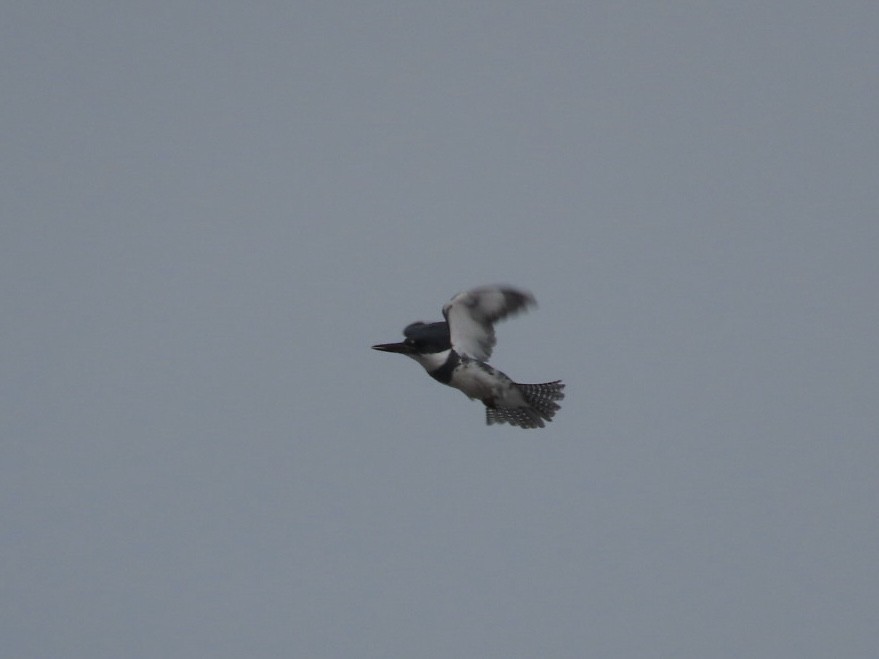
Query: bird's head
[[421, 339]]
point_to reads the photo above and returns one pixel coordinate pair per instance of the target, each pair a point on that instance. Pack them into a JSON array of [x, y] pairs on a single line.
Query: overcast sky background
[[210, 211]]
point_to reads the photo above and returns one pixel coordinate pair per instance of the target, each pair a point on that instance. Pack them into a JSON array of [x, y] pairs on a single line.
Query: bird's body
[[455, 352]]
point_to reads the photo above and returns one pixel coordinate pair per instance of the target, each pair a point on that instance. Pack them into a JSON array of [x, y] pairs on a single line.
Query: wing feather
[[471, 316]]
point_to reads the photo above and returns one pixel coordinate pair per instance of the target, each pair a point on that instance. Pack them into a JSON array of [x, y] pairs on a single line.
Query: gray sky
[[212, 210]]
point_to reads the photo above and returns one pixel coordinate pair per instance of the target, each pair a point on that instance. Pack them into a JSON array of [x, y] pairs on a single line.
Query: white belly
[[482, 382]]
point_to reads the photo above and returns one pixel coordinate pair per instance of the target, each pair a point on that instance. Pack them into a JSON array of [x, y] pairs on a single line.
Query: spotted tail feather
[[541, 399]]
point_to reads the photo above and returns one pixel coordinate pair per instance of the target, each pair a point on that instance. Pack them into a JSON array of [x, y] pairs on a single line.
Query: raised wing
[[471, 316]]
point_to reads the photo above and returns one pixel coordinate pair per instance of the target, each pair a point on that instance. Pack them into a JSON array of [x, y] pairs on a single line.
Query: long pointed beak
[[401, 347]]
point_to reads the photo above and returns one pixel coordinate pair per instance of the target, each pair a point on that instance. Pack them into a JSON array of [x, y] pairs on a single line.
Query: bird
[[455, 352]]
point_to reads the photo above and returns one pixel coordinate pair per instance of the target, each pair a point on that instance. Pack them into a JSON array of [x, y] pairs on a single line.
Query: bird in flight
[[455, 352]]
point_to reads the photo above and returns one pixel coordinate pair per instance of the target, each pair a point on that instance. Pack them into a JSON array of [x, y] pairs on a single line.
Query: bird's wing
[[471, 316]]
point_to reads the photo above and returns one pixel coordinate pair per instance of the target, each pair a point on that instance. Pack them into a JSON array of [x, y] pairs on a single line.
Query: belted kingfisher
[[455, 351]]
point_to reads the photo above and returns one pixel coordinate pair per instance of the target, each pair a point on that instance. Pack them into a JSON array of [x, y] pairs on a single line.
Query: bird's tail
[[542, 406], [543, 397]]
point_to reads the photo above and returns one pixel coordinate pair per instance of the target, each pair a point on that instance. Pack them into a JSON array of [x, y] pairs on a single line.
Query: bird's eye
[[409, 342]]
